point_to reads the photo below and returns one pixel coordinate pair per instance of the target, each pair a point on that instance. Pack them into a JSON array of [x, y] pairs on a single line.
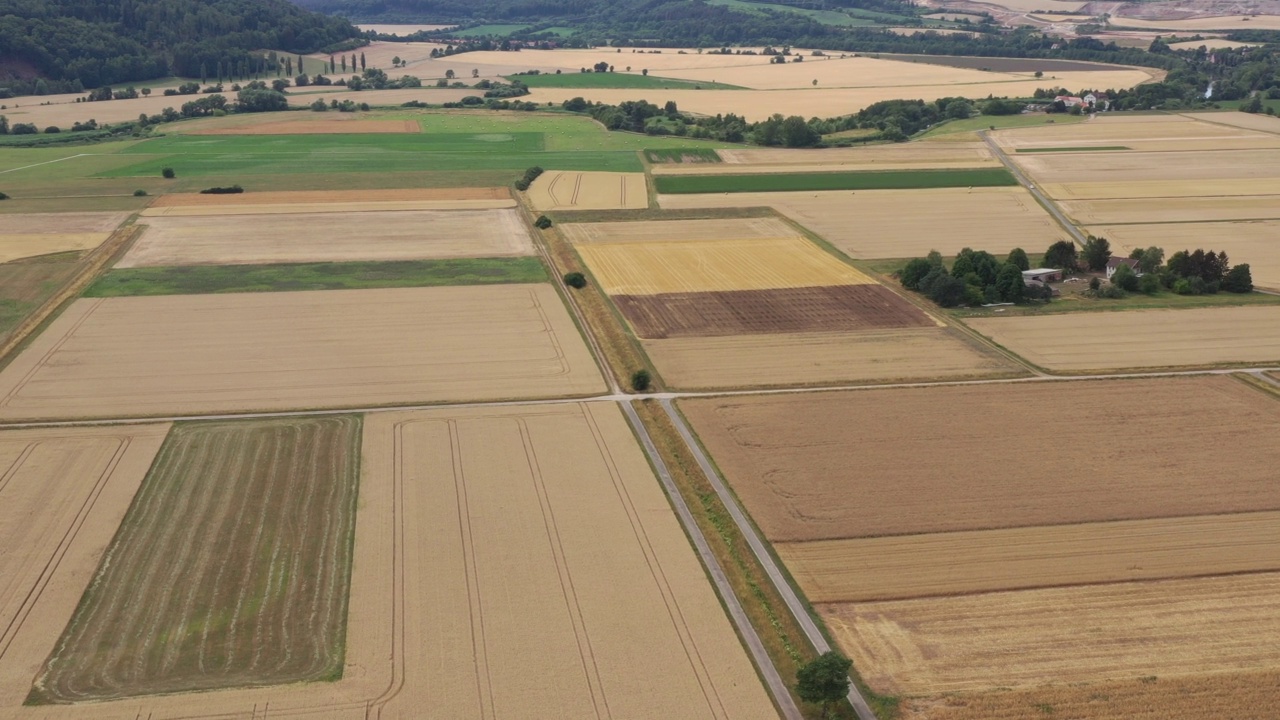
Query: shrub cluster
[[232, 190], [529, 176], [975, 278]]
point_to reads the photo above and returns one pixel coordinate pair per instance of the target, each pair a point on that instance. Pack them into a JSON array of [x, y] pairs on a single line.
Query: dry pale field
[[1170, 628], [644, 268], [1126, 167], [1249, 121], [16, 247], [378, 54], [1120, 130], [320, 125], [193, 354], [325, 208], [564, 190], [808, 466], [758, 73], [74, 223], [1172, 210], [905, 223], [1083, 342], [955, 563], [331, 197], [1210, 44], [676, 230], [63, 493], [240, 540], [1093, 190], [798, 359], [1253, 242], [256, 239], [877, 157], [1037, 5], [1226, 22]]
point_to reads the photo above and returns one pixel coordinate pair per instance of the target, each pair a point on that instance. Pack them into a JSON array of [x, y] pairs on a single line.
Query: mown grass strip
[[207, 279], [1095, 148], [803, 182]]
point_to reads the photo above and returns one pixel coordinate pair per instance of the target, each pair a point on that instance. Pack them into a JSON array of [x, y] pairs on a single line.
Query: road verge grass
[[808, 182]]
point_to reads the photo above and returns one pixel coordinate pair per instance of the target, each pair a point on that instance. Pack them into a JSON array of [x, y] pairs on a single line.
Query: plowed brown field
[[711, 265], [812, 309], [280, 351], [906, 566], [63, 492], [240, 542], [563, 190], [329, 197], [337, 124], [255, 239], [1202, 626], [784, 359], [808, 466], [904, 223], [1081, 342]]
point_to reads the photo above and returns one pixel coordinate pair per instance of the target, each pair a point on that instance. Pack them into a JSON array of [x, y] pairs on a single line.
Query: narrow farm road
[[1023, 180]]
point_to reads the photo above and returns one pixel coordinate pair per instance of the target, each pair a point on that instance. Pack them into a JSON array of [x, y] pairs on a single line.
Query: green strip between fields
[[801, 182], [1094, 148], [209, 279]]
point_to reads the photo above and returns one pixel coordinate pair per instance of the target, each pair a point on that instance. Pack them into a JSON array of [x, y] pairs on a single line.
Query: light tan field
[[257, 239], [1172, 210], [194, 354], [326, 208], [1037, 5], [564, 190], [797, 359], [1081, 342], [1226, 22], [1063, 18], [1162, 189], [904, 223], [379, 54], [1249, 121], [547, 524], [62, 494], [1255, 243], [877, 157], [332, 197], [1210, 44], [1171, 628], [709, 265], [676, 230], [1146, 166], [322, 124], [61, 223], [955, 563], [808, 466], [1119, 130], [831, 71], [402, 30], [16, 247]]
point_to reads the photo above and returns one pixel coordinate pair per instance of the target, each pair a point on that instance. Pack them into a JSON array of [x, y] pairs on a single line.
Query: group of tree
[[976, 277], [645, 117], [1185, 272]]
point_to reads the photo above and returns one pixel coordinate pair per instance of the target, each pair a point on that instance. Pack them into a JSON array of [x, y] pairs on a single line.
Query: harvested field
[[62, 495], [1121, 131], [1226, 22], [330, 197], [1155, 189], [819, 359], [1172, 210], [17, 247], [1166, 629], [676, 230], [548, 525], [1082, 342], [26, 283], [711, 265], [561, 190], [825, 180], [191, 354], [380, 52], [1137, 167], [808, 466], [875, 157], [331, 124], [1026, 6], [849, 308], [1249, 121], [250, 526], [903, 223], [258, 239], [1002, 65], [74, 223], [326, 208], [955, 563], [1210, 44]]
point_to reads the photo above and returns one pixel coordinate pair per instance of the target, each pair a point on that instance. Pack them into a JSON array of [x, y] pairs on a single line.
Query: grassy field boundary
[[286, 277], [857, 180]]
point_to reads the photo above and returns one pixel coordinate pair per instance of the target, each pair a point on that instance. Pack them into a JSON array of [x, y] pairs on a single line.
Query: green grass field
[[496, 30], [595, 80], [826, 17], [194, 280], [807, 182], [998, 122]]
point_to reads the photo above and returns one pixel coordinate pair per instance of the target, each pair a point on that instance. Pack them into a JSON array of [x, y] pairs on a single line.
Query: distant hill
[[87, 43]]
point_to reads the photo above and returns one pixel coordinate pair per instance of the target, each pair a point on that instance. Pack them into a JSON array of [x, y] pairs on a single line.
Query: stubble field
[[240, 541], [355, 236], [327, 198], [559, 190], [276, 351], [679, 231], [1084, 342], [903, 223]]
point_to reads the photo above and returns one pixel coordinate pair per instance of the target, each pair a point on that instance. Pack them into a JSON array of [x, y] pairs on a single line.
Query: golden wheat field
[[18, 246], [676, 231], [643, 268], [561, 190], [1084, 342], [905, 156], [274, 238], [197, 354], [904, 223], [906, 566], [1169, 628]]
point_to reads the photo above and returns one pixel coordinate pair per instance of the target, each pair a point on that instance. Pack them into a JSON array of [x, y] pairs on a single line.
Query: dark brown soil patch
[[752, 312]]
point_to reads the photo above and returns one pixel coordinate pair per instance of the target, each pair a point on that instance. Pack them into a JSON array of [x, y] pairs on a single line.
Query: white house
[[1116, 262]]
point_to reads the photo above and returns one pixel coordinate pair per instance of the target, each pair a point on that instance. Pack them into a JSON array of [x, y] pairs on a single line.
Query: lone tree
[[824, 680], [1097, 251], [1061, 254], [1018, 258], [167, 173], [575, 280], [640, 380]]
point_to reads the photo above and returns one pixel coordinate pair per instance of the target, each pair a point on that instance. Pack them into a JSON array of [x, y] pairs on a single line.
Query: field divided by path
[[240, 543], [562, 190]]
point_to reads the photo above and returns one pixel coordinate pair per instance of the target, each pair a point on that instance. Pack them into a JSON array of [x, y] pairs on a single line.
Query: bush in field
[[168, 173], [139, 193], [3, 196], [640, 380], [232, 190], [529, 176], [542, 223], [575, 280]]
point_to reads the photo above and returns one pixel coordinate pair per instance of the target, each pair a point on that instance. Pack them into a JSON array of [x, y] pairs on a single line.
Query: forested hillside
[[74, 44]]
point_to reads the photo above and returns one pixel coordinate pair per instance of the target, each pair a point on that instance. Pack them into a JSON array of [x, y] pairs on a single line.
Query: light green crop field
[[802, 182], [498, 30], [999, 122], [595, 80]]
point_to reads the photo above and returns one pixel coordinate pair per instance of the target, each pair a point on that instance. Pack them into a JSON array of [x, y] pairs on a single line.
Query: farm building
[[1116, 262], [1042, 275]]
